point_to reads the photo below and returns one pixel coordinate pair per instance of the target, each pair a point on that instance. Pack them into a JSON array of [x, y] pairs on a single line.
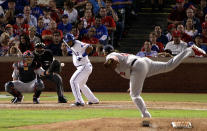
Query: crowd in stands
[[23, 23], [97, 22], [187, 25]]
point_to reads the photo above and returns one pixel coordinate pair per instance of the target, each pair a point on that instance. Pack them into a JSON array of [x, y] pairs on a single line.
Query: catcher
[[45, 59], [25, 79], [137, 69]]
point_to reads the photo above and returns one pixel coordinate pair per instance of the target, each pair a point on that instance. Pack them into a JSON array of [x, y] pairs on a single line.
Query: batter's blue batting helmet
[[69, 37], [108, 49]]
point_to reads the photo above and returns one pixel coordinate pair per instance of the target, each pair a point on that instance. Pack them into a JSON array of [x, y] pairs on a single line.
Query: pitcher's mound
[[118, 124]]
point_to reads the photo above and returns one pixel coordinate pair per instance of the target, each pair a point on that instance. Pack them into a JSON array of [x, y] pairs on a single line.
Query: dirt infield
[[114, 124], [119, 124], [107, 104]]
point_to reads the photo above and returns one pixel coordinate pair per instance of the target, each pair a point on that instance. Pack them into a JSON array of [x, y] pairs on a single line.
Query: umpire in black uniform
[[45, 59]]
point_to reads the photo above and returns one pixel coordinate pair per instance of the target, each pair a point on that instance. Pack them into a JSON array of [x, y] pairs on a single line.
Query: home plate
[[181, 124]]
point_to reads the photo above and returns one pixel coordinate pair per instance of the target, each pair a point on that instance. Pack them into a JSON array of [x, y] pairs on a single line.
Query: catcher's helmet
[[69, 37], [40, 45], [28, 54], [108, 49]]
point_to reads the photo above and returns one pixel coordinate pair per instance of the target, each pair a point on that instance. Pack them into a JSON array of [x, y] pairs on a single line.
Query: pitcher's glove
[[111, 63], [55, 67]]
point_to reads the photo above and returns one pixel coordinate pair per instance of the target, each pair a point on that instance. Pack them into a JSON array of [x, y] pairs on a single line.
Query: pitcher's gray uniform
[[80, 77], [137, 69]]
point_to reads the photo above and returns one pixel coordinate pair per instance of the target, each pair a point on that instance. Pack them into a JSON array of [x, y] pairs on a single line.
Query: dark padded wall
[[188, 77]]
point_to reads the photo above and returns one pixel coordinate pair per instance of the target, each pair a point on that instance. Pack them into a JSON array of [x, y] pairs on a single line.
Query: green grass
[[14, 118], [178, 97]]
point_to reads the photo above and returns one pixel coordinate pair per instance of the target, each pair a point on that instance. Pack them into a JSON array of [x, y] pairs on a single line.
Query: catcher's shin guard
[[9, 87]]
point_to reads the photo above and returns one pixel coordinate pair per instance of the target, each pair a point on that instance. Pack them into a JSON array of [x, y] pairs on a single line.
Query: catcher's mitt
[[55, 67], [111, 63]]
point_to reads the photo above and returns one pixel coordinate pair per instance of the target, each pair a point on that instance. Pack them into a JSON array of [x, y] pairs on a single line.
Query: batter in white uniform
[[81, 61], [137, 69]]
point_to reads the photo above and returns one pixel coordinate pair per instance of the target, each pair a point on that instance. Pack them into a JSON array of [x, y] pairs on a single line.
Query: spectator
[[55, 12], [80, 7], [20, 4], [47, 34], [14, 51], [75, 32], [198, 41], [160, 37], [55, 46], [32, 36], [11, 12], [101, 31], [36, 9], [91, 39], [2, 19], [97, 4], [81, 29], [147, 51], [171, 28], [30, 19], [1, 11], [65, 50], [47, 17], [88, 19], [178, 14], [201, 10], [110, 11], [204, 32], [4, 40], [65, 26], [71, 12], [24, 44], [205, 18], [9, 29], [108, 21], [20, 27], [89, 6], [184, 37], [196, 22], [189, 28], [40, 26], [156, 46], [177, 45]]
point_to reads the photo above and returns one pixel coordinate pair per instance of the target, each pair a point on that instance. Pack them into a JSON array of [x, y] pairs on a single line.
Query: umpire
[[45, 59]]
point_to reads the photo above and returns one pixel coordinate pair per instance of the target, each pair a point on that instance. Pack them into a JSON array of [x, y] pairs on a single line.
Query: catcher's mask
[[39, 48], [108, 49], [28, 56]]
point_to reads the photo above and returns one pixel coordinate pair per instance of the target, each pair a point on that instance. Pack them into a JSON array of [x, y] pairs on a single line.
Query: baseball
[[62, 64]]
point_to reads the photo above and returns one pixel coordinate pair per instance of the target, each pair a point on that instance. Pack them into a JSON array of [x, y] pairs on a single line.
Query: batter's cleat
[[16, 100], [77, 104], [36, 100], [198, 51], [91, 103], [62, 99]]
